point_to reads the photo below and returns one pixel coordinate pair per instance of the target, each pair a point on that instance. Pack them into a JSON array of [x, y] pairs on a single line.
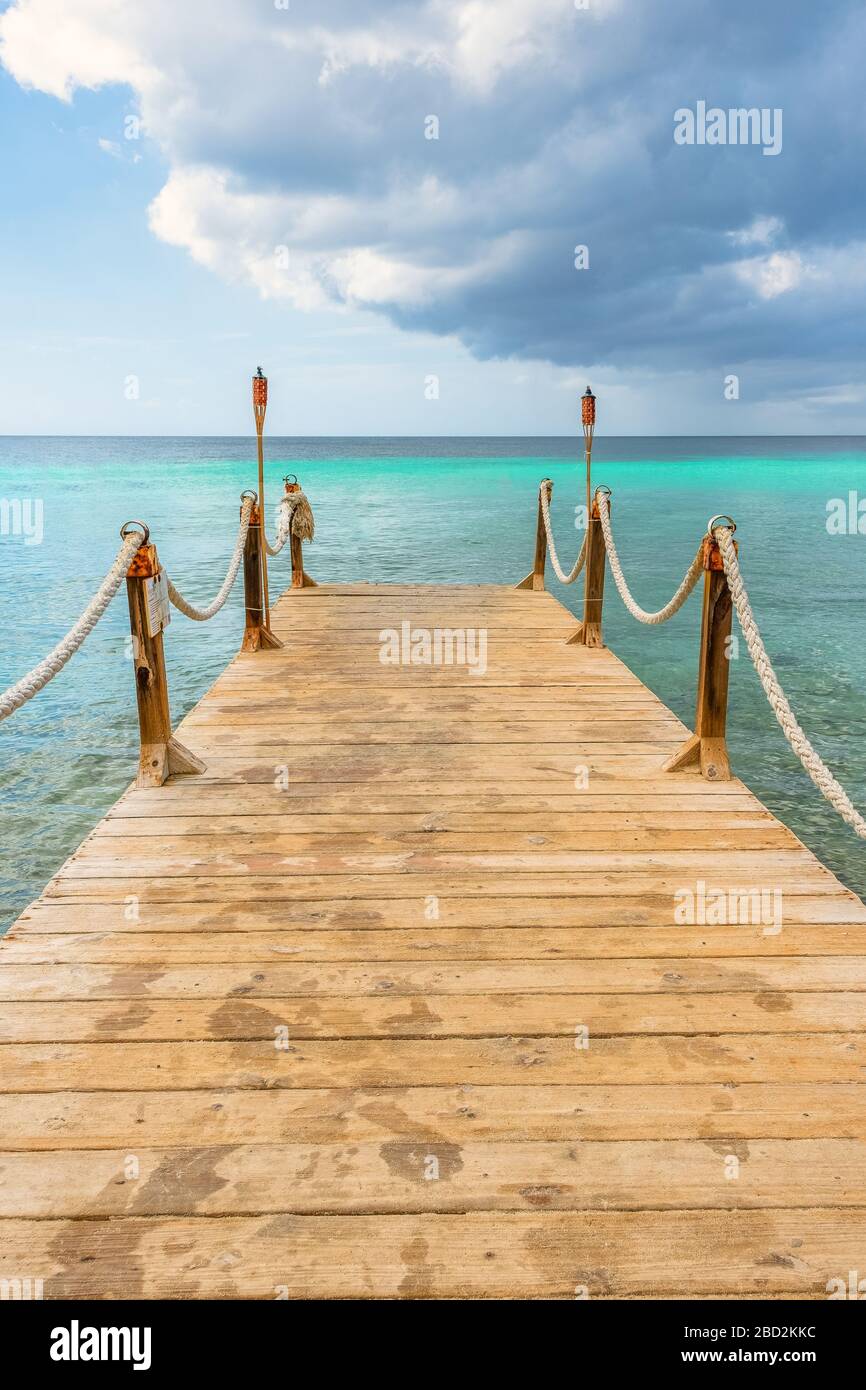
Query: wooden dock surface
[[393, 1002]]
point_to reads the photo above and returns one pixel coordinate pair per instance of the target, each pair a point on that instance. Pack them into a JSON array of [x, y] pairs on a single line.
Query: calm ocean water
[[427, 510]]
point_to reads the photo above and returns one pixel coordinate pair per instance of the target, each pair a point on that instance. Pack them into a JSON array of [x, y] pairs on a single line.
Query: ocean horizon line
[[319, 438]]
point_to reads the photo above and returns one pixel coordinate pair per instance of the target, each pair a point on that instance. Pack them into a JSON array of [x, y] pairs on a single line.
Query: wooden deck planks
[[393, 1001]]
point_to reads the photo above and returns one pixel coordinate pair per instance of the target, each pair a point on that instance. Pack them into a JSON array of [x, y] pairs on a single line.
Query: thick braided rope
[[201, 615], [29, 685], [554, 558], [284, 526], [690, 579], [813, 764]]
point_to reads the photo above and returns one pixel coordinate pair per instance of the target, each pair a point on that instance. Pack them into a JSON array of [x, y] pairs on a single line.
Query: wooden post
[[300, 578], [161, 754], [707, 744], [535, 579], [256, 634], [589, 633]]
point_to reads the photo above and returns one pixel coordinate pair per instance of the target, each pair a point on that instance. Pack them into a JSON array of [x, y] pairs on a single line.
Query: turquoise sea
[[426, 510]]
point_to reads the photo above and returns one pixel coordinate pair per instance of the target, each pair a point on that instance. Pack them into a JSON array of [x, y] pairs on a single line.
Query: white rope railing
[[690, 579], [579, 563], [811, 761], [35, 680], [284, 524], [201, 615]]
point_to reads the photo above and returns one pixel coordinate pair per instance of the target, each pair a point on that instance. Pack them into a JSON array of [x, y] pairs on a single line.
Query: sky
[[437, 217]]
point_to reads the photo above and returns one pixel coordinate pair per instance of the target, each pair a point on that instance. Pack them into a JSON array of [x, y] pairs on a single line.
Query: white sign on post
[[158, 607]]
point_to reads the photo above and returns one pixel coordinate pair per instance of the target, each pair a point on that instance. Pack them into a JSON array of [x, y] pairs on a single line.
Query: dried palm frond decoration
[[303, 525]]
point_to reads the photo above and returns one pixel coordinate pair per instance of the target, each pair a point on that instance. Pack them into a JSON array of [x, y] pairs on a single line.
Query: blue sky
[[282, 204]]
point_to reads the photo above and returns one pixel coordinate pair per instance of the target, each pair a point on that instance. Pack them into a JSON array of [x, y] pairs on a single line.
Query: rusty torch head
[[260, 398]]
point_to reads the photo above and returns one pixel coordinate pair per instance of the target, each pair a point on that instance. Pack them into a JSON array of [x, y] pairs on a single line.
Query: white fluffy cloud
[[57, 47], [763, 231], [773, 275], [304, 238]]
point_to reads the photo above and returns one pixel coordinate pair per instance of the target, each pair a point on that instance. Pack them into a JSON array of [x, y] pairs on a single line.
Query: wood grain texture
[[539, 1254], [398, 999]]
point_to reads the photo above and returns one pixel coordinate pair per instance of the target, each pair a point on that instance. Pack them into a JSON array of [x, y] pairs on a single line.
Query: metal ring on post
[[145, 528], [603, 488], [720, 516], [248, 492]]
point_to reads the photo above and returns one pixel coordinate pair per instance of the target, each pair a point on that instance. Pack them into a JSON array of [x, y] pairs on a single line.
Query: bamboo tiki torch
[[260, 405], [587, 403]]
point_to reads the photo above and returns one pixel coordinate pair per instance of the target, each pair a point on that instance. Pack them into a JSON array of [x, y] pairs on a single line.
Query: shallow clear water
[[426, 510]]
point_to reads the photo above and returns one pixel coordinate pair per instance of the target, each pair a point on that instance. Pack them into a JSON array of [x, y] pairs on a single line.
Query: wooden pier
[[394, 999]]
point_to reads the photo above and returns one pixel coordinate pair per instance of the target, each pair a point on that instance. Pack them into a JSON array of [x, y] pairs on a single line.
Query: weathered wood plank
[[175, 799], [472, 1255], [644, 1060], [434, 1016], [434, 1175], [279, 835], [246, 885], [429, 771], [392, 978], [626, 735], [101, 859], [453, 1114], [570, 830], [283, 841], [208, 937]]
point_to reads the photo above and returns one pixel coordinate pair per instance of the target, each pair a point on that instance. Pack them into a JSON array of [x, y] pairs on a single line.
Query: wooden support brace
[[589, 634], [161, 754], [535, 579], [707, 745], [257, 635]]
